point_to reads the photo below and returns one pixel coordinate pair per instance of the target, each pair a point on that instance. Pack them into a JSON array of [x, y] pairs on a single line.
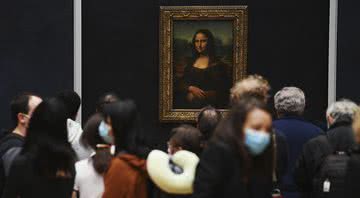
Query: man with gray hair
[[289, 106], [339, 138], [290, 101], [341, 111]]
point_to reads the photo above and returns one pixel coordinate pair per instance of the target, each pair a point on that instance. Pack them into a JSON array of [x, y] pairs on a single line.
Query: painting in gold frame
[[203, 51]]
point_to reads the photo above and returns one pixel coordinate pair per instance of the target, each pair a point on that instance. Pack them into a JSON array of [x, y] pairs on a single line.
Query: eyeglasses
[[26, 115]]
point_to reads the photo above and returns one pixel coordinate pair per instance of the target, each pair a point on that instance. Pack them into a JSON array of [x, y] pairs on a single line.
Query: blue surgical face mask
[[256, 141], [104, 130]]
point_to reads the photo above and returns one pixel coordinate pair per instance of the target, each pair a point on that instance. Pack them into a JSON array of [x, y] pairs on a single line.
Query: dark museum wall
[[348, 59], [288, 44], [36, 49]]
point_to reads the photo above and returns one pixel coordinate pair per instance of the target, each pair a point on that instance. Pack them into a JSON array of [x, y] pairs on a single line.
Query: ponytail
[[102, 158]]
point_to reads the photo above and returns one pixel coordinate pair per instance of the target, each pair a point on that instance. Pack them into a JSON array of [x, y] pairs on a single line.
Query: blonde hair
[[253, 86], [356, 126]]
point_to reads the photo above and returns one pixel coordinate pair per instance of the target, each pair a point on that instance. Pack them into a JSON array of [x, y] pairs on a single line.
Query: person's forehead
[[258, 115]]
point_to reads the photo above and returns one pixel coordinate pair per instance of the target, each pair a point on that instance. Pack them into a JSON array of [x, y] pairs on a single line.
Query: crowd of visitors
[[247, 152]]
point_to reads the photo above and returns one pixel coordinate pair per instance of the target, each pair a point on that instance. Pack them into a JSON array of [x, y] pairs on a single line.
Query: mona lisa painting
[[202, 53]]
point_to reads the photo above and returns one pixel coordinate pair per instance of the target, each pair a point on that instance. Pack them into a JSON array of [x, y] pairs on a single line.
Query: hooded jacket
[[126, 177]]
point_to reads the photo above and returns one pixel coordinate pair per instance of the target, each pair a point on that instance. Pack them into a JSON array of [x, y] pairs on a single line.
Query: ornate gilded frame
[[238, 14]]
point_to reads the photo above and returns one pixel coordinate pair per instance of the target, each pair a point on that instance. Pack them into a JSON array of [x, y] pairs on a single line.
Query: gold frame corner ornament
[[239, 16]]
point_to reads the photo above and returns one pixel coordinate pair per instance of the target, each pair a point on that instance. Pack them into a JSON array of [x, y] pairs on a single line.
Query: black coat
[[352, 185], [220, 173], [338, 138]]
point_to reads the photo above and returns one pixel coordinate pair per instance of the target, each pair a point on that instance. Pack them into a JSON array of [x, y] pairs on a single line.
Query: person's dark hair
[[20, 104], [106, 98], [125, 123], [207, 121], [71, 100], [210, 47], [230, 132], [187, 137], [47, 140], [91, 138]]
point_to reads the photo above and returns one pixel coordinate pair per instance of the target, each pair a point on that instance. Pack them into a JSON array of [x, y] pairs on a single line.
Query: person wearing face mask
[[89, 180], [127, 175], [239, 160], [22, 107]]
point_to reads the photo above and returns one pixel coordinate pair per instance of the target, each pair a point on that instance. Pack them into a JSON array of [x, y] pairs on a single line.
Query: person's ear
[[22, 118], [330, 120]]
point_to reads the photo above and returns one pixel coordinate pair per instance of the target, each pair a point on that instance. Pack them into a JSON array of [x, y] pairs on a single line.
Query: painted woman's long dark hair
[[230, 132], [47, 140]]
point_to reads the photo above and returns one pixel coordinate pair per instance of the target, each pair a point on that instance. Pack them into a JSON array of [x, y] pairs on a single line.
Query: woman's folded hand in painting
[[195, 93]]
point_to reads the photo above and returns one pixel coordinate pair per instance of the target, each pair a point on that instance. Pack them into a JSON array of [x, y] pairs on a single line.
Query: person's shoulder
[[83, 167], [317, 143], [312, 126], [219, 145], [21, 161], [74, 131], [317, 139], [120, 165], [9, 141], [298, 123], [217, 149], [83, 163], [12, 137], [118, 162], [340, 128]]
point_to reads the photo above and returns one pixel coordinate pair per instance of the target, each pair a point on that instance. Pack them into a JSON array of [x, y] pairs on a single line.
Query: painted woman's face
[[200, 42]]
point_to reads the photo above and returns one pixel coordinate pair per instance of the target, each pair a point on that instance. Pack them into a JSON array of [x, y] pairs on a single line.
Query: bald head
[[207, 121]]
